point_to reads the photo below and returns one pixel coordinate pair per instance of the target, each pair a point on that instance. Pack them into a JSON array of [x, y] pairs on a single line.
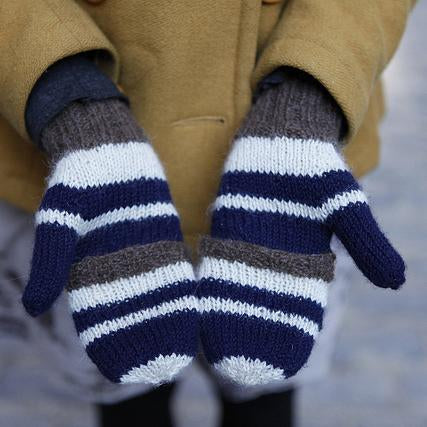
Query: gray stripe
[[300, 107], [319, 266], [87, 125], [125, 263]]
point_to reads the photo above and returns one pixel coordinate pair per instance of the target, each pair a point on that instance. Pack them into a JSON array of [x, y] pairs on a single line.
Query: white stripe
[[51, 216], [261, 204], [82, 227], [284, 156], [109, 326], [264, 279], [162, 369], [240, 308], [129, 287], [107, 164], [249, 372]]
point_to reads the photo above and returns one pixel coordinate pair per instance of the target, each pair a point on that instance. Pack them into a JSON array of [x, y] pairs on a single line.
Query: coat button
[[95, 1]]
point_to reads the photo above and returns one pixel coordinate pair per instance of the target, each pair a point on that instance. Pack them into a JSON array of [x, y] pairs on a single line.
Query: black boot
[[269, 410], [149, 409]]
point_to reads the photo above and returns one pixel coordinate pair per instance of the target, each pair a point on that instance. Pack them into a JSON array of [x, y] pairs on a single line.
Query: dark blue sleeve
[[70, 79], [273, 79]]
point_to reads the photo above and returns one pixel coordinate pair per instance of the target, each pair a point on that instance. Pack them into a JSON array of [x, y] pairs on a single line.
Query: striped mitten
[[107, 231], [266, 268]]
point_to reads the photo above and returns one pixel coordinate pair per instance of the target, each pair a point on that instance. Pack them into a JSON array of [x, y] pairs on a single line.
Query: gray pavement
[[379, 376]]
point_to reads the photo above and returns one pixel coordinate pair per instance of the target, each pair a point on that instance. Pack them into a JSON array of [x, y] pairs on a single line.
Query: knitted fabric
[[107, 231], [266, 268]]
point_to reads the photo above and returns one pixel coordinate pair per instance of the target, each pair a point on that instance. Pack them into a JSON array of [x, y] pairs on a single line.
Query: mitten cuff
[[84, 125], [299, 107]]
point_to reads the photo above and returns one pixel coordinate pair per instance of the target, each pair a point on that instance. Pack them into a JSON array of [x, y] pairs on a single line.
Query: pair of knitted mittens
[[266, 268], [107, 231]]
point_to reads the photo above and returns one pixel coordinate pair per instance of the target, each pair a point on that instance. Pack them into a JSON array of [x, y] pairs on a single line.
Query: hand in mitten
[[107, 231], [266, 267]]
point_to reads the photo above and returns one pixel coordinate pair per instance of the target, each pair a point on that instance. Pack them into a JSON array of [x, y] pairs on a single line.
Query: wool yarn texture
[[108, 232], [267, 265]]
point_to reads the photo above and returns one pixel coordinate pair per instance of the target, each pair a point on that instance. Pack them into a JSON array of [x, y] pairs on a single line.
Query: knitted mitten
[[107, 231], [266, 268]]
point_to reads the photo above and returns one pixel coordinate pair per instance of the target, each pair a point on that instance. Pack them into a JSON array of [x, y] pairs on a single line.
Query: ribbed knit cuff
[[90, 124], [298, 107]]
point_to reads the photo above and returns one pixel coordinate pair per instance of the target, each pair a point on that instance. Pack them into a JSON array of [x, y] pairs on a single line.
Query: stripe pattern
[[265, 269], [257, 305], [108, 230], [264, 275], [279, 201]]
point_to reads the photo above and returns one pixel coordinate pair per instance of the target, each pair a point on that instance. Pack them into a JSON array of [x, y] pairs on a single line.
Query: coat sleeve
[[36, 34], [344, 44]]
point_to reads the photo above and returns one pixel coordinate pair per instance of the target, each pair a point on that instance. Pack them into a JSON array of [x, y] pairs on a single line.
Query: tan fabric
[[189, 68], [34, 34], [344, 44]]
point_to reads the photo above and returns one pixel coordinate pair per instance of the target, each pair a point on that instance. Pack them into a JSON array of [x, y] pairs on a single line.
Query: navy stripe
[[279, 345], [53, 255], [116, 353], [262, 298], [273, 230], [90, 317], [303, 189], [121, 235], [93, 201], [368, 246]]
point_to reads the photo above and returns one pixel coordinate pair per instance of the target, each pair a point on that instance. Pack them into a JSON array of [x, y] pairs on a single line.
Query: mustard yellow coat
[[189, 68]]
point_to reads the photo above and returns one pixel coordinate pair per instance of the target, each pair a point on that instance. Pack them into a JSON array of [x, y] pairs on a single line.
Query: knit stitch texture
[[266, 268], [107, 230]]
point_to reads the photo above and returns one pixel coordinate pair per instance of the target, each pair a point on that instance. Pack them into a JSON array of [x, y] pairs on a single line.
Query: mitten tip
[[162, 370], [248, 372], [393, 283], [33, 307], [393, 278]]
